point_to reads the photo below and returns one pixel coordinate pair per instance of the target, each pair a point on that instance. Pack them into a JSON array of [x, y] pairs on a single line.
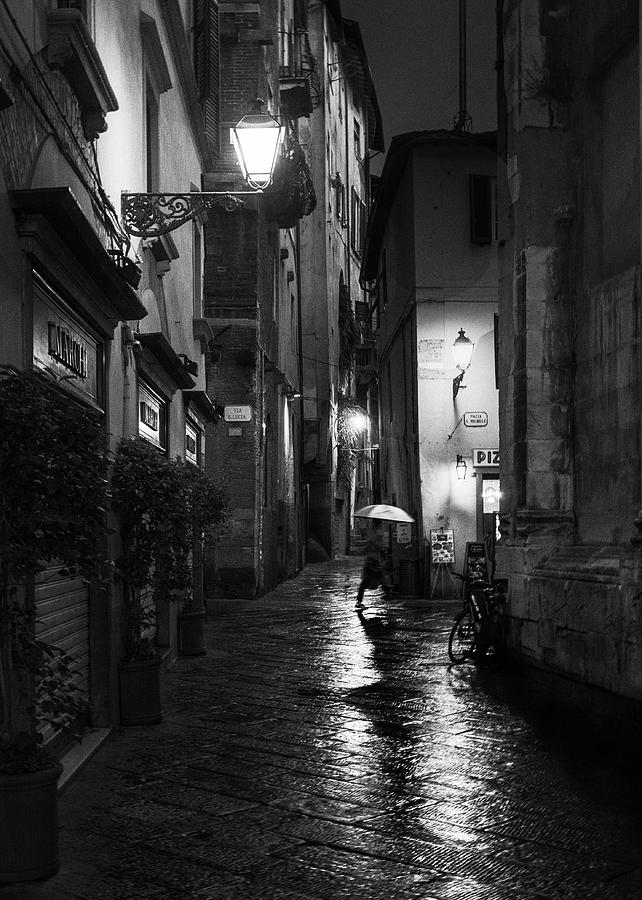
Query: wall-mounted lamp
[[292, 395], [461, 467], [463, 352], [256, 140]]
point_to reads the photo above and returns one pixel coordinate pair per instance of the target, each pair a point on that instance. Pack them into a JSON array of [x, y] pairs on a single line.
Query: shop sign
[[476, 419], [486, 457], [237, 414], [64, 346]]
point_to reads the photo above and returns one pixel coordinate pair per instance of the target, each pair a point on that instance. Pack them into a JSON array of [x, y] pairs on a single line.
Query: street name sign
[[238, 414]]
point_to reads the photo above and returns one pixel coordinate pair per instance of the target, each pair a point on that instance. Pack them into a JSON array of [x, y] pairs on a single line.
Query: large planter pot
[[140, 697], [29, 825], [192, 628]]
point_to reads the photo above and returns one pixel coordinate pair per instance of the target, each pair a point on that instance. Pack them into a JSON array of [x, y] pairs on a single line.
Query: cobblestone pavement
[[310, 756]]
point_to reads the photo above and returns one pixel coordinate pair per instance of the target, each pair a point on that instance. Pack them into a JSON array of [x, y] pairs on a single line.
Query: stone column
[[536, 354]]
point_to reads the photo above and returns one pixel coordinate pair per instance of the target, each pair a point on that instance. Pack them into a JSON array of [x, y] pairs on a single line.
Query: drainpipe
[[303, 497]]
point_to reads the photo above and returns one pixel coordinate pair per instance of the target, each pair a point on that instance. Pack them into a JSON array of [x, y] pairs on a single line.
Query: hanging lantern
[[463, 351], [256, 140]]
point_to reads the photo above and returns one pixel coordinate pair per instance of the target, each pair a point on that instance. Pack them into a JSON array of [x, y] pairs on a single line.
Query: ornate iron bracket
[[150, 215]]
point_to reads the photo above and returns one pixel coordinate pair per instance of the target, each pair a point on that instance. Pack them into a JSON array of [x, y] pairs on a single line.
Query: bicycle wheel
[[461, 643]]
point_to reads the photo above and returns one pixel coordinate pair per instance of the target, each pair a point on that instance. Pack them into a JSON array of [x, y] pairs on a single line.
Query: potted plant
[[163, 507], [52, 504], [207, 510]]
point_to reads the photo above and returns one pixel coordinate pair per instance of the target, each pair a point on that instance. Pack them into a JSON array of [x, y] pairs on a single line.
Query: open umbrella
[[385, 512]]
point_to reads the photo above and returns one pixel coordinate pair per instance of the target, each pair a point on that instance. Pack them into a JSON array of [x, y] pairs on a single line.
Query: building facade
[[430, 264], [252, 303], [341, 134], [569, 353], [114, 319]]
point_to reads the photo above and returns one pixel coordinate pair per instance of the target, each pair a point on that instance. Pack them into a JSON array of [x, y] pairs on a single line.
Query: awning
[[157, 344], [61, 210]]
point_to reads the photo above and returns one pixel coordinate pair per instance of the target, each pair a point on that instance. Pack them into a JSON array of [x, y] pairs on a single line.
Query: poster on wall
[[442, 546]]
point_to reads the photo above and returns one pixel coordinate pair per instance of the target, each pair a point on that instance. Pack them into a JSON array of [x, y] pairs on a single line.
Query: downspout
[[302, 543]]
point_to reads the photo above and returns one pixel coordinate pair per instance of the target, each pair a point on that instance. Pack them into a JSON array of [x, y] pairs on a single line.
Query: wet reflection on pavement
[[316, 753]]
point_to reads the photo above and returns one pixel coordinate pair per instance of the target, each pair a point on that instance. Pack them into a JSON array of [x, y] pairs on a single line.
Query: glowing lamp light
[[256, 140], [358, 421], [461, 467], [463, 351]]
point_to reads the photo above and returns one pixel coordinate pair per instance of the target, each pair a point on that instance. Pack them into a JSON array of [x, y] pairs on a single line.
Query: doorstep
[[80, 753]]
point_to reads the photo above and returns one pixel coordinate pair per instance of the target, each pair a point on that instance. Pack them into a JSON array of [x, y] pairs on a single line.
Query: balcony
[[299, 84]]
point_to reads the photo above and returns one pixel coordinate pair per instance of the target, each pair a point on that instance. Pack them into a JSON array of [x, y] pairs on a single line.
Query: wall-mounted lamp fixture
[[463, 352], [256, 140], [292, 395], [461, 467]]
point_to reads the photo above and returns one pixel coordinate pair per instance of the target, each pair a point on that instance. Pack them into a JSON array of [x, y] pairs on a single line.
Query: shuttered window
[[482, 224], [206, 44]]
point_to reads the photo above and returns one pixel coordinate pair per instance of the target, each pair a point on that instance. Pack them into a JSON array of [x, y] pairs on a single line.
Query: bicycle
[[477, 631]]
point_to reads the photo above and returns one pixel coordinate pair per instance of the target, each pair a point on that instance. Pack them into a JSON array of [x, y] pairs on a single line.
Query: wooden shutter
[[207, 67]]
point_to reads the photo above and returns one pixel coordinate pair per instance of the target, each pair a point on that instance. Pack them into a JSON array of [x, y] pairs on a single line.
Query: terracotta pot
[[192, 626], [29, 825], [140, 698]]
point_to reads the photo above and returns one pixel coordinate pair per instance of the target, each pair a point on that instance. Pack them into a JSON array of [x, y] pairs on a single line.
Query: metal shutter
[[62, 619]]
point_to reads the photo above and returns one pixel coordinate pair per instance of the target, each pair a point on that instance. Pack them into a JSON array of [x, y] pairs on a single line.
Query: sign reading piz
[[485, 457]]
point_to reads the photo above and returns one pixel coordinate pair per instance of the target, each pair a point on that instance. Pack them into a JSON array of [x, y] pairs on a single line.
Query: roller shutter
[[62, 619]]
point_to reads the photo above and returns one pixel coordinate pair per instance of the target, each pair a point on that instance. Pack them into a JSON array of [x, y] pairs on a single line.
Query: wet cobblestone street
[[308, 755]]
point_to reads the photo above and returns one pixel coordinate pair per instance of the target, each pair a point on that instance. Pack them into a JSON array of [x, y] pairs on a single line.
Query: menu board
[[477, 565], [442, 546]]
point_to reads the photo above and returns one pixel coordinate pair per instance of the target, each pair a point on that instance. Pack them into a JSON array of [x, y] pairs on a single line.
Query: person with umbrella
[[375, 570], [374, 566]]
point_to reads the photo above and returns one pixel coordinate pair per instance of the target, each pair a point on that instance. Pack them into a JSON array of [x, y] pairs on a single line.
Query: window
[[340, 199], [197, 265], [152, 416], [83, 6], [151, 138], [482, 209], [358, 219], [356, 130], [383, 281], [193, 443]]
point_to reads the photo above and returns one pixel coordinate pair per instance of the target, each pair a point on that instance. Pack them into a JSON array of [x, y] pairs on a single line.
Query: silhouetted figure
[[374, 567]]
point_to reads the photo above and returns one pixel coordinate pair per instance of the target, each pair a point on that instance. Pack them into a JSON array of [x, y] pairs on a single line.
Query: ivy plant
[[53, 494]]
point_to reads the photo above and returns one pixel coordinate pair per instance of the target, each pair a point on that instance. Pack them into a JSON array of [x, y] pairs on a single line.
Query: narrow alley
[[313, 755]]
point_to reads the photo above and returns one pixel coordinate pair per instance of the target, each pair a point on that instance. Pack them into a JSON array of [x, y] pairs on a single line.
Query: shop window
[[152, 416]]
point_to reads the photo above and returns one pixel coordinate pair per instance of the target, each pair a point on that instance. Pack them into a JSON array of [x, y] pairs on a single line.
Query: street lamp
[[462, 351], [256, 140], [461, 467]]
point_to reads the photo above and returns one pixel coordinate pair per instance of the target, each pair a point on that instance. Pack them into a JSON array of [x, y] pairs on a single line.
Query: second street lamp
[[256, 140]]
